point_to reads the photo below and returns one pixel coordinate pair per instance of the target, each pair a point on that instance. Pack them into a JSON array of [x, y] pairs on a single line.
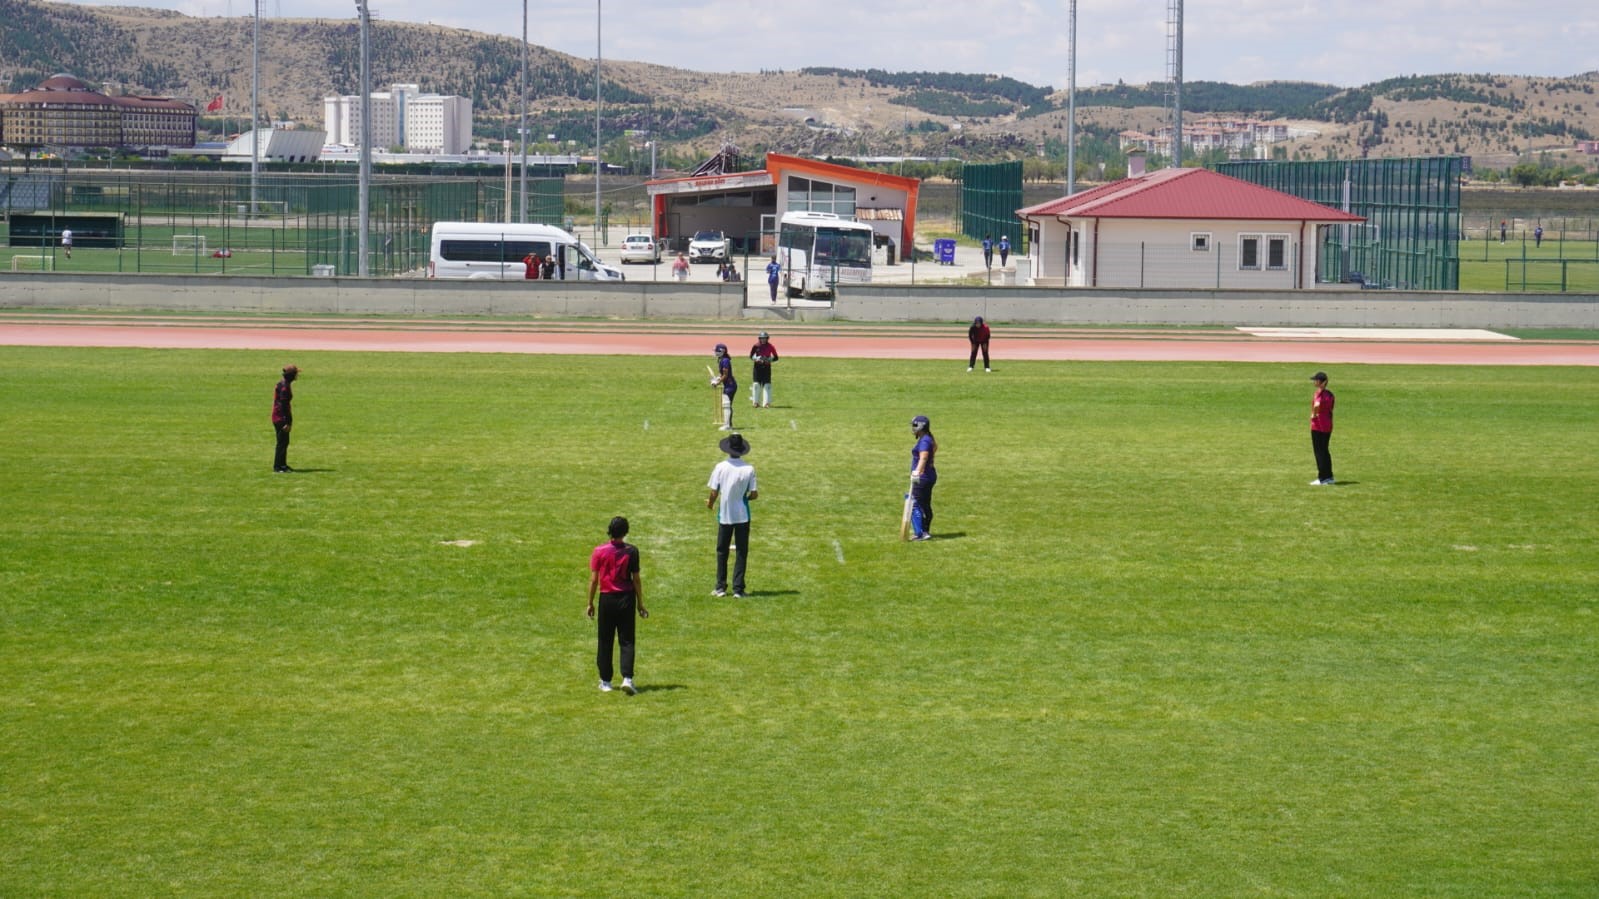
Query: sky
[[1342, 42]]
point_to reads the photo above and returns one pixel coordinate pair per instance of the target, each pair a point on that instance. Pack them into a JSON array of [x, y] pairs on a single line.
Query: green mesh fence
[[1411, 237], [215, 223], [989, 197]]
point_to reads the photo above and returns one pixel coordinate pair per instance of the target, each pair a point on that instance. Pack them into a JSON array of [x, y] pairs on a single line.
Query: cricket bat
[[905, 519]]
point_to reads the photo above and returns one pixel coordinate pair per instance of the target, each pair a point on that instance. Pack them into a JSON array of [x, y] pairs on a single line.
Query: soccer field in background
[[1140, 657]]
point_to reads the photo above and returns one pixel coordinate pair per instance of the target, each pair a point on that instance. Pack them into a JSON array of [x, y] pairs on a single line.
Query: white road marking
[[1378, 333]]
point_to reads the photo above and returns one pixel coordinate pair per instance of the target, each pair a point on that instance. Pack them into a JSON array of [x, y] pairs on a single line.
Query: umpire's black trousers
[[726, 536]]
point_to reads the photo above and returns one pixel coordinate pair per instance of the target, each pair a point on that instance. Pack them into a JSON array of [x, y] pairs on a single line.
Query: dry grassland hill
[[1495, 119]]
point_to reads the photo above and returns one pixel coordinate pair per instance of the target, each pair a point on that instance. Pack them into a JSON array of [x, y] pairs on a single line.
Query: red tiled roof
[[1187, 194]]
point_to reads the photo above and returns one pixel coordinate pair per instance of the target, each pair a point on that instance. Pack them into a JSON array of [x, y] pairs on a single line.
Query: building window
[[1199, 242], [1249, 251], [1277, 252]]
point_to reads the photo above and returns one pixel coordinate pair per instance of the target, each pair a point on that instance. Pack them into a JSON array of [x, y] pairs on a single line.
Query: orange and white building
[[743, 205]]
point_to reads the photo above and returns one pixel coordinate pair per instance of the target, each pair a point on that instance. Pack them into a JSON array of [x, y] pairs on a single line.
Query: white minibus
[[495, 250]]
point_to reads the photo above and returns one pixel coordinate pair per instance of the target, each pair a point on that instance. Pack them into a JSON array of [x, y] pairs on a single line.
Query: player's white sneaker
[[627, 686], [605, 686], [968, 369], [1317, 483], [718, 592]]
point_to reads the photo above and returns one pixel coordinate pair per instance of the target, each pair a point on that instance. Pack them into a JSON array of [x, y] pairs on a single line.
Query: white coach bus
[[819, 249], [494, 251]]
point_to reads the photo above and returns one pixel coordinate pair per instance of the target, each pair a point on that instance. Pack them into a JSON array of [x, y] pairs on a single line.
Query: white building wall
[[1133, 253]]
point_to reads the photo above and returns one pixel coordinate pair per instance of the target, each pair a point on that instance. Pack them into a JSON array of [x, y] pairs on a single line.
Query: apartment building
[[402, 116]]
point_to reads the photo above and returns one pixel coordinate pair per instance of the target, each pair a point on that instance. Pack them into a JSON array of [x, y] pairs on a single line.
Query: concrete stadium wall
[[872, 303], [1320, 308], [373, 296]]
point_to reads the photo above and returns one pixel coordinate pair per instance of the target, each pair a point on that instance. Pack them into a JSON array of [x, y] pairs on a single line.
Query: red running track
[[632, 338]]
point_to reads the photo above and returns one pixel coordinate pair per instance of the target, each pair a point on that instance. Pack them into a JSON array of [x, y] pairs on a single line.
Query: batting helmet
[[721, 349], [920, 423]]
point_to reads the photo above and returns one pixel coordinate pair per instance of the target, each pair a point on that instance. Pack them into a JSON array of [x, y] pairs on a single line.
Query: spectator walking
[[1537, 237], [1004, 249], [614, 575], [764, 355], [988, 251], [977, 335], [732, 487], [773, 270], [1321, 425], [680, 267], [283, 416], [1503, 230], [66, 241]]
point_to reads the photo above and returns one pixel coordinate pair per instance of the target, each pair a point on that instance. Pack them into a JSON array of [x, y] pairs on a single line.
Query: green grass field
[[1143, 657]]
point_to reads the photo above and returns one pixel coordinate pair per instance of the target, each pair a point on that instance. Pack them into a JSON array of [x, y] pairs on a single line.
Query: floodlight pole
[[1071, 100], [597, 4], [363, 265], [1177, 90], [255, 105], [523, 180]]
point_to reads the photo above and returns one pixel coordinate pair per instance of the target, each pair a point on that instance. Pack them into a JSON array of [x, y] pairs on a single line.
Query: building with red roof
[[1180, 228], [64, 112]]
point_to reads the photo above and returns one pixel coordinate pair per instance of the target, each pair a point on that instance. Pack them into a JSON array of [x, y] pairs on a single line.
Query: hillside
[[1495, 119]]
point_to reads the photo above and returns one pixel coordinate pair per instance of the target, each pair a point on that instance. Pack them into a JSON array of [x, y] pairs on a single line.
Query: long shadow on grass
[[757, 594], [651, 688]]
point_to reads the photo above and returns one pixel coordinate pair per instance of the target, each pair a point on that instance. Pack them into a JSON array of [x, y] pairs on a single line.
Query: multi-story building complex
[[1236, 136], [403, 116], [64, 112]]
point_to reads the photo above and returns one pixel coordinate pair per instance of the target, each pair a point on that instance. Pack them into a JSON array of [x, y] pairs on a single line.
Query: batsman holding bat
[[723, 378], [923, 477]]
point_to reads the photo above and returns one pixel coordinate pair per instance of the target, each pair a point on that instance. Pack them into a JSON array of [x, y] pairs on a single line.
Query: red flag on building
[[214, 105]]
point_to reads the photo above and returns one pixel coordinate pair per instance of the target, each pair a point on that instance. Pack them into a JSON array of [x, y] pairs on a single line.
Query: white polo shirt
[[735, 479]]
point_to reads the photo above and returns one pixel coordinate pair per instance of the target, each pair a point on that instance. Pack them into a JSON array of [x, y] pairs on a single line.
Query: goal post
[[188, 244], [32, 263]]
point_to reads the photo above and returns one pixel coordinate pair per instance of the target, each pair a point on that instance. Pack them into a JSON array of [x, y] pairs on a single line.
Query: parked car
[[708, 246], [640, 248]]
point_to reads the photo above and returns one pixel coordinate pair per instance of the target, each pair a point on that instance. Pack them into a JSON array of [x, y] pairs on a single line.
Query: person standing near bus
[[773, 270], [531, 263]]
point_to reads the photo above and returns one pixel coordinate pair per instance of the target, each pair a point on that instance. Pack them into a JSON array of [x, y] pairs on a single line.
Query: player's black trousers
[[1319, 441], [615, 616]]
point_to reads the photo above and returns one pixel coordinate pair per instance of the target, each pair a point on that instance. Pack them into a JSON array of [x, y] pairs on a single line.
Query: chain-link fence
[[225, 222]]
